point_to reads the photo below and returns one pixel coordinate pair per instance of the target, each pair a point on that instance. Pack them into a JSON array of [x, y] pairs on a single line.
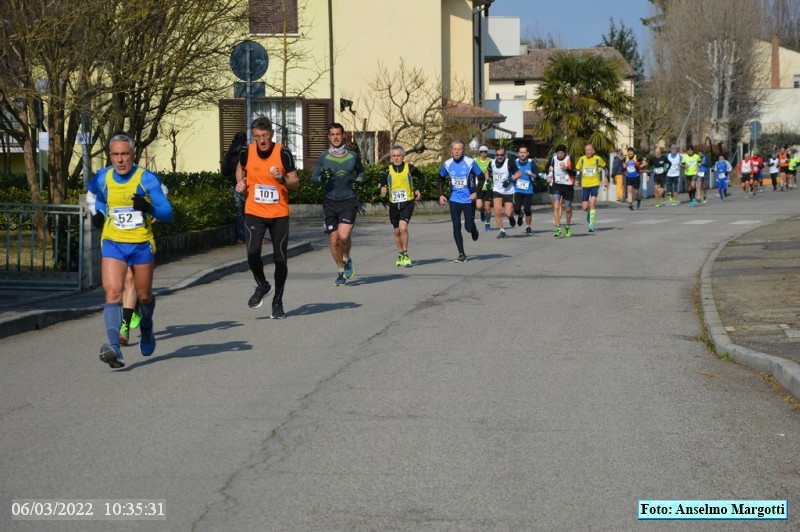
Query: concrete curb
[[786, 372], [34, 320]]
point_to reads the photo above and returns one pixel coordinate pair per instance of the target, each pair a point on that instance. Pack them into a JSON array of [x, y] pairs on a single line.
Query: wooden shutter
[[384, 146], [231, 122], [317, 114]]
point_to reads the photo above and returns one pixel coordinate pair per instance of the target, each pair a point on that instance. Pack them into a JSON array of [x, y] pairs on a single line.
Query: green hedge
[[204, 199]]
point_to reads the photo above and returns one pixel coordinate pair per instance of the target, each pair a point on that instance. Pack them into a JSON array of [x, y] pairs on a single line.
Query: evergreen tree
[[624, 40]]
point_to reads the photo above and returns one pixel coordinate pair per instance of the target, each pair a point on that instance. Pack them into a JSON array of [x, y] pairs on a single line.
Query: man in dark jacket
[[616, 173], [229, 163]]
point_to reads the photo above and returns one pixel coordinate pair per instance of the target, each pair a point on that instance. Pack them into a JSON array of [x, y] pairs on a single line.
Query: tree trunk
[[33, 185], [58, 180]]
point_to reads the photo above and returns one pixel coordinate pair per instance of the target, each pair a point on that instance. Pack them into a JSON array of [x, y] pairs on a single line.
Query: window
[[365, 143], [306, 124], [275, 110], [273, 17], [519, 82], [797, 82]]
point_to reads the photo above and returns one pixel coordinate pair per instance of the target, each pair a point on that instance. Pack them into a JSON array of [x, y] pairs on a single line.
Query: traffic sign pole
[[247, 96], [249, 62], [755, 132]]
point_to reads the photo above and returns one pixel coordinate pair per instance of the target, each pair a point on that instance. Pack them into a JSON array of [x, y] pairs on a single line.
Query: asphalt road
[[546, 384]]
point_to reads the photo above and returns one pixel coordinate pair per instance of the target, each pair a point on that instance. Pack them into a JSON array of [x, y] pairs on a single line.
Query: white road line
[[651, 222], [698, 222], [608, 220], [746, 222]]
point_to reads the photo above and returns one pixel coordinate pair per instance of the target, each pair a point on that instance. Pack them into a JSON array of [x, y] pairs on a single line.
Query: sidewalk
[[748, 290], [750, 301], [23, 311]]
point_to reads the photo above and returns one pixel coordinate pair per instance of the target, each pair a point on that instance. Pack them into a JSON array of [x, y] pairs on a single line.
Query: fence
[[42, 246]]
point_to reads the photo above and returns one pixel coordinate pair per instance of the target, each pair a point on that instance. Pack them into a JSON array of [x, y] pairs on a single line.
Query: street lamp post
[[699, 90]]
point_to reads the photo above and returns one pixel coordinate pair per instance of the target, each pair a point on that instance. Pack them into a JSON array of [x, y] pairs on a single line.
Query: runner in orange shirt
[[265, 175]]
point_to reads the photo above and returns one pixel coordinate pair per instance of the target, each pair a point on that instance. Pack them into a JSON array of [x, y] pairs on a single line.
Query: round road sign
[[257, 64]]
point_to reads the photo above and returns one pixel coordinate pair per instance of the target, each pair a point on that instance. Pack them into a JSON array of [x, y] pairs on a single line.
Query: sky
[[576, 23]]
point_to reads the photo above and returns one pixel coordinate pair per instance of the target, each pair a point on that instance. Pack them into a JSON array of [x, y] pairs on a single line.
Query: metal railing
[[41, 246]]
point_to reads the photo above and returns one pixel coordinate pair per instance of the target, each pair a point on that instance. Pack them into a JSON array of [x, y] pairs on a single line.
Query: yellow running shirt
[[590, 170]]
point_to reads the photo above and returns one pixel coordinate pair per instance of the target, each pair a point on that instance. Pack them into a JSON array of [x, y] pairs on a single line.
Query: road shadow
[[425, 262], [487, 256], [174, 331], [191, 351], [372, 279], [318, 308]]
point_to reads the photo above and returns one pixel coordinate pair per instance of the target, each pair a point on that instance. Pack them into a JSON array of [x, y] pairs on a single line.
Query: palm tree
[[581, 98]]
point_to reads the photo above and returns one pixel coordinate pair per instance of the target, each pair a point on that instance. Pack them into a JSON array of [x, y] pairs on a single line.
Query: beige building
[[324, 55], [780, 108], [339, 47], [514, 85]]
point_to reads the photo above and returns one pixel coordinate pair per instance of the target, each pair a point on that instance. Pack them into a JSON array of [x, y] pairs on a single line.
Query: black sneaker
[[112, 356], [258, 296], [461, 258], [277, 311], [512, 222], [475, 233], [519, 220]]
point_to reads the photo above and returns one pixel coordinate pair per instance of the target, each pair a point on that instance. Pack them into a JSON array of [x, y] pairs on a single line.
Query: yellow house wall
[[365, 32], [456, 34], [198, 138], [374, 32], [197, 143], [789, 66]]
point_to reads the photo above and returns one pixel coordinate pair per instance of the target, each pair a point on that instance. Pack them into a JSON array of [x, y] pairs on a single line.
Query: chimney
[[775, 67]]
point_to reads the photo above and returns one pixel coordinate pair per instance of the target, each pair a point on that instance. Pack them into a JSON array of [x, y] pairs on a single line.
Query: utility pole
[[699, 91]]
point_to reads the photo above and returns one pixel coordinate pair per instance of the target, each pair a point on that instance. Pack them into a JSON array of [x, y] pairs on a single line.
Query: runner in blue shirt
[[723, 169], [702, 176], [466, 178], [523, 188]]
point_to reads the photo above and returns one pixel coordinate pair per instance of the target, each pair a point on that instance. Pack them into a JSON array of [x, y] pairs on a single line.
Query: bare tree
[[649, 114], [161, 58], [44, 46], [707, 56], [413, 110], [125, 64], [296, 67], [539, 41], [782, 17]]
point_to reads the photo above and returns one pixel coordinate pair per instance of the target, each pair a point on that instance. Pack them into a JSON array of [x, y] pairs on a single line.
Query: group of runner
[[128, 199], [781, 167], [698, 170]]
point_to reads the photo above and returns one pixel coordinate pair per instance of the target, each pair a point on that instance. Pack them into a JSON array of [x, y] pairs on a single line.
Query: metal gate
[[41, 247]]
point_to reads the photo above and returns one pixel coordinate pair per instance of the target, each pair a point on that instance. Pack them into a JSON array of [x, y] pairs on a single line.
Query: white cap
[[483, 148]]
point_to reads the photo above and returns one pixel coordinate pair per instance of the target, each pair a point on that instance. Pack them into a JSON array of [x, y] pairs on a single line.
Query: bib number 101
[[266, 194]]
